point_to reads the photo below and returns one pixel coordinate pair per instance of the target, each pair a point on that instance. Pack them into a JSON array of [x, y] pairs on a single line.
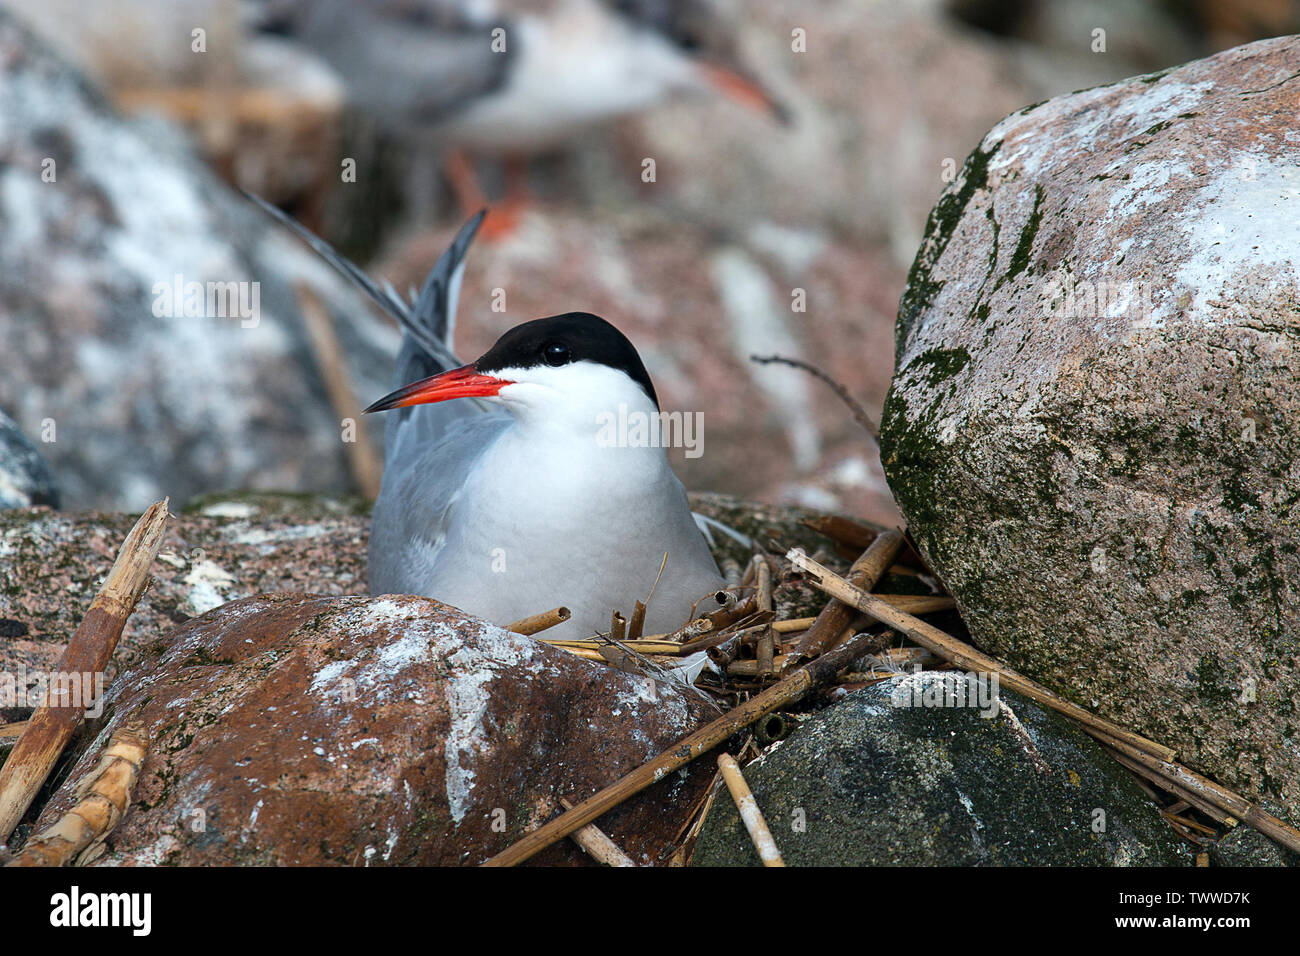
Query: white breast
[[579, 66], [543, 524]]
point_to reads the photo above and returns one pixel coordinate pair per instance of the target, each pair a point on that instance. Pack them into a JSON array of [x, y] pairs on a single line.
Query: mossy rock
[[1093, 428], [872, 781]]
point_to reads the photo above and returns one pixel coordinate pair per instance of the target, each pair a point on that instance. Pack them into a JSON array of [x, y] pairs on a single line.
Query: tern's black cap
[[563, 339]]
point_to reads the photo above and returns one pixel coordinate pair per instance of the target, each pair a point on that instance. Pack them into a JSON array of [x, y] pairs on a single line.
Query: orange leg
[[503, 219], [517, 193], [464, 182]]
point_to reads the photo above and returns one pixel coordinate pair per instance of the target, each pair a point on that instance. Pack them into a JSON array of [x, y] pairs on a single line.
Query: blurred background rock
[[745, 218]]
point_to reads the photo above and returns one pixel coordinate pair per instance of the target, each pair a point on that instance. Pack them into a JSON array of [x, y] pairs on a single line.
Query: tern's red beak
[[463, 382], [744, 90]]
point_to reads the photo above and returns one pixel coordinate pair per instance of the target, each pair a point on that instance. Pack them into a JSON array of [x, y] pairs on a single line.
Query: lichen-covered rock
[[1094, 425], [300, 729], [52, 563], [150, 389], [876, 781], [25, 478]]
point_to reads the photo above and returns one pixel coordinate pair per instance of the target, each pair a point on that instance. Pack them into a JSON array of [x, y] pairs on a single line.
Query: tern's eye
[[556, 354]]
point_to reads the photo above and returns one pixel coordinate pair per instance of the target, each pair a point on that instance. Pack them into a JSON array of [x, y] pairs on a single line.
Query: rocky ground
[[293, 720]]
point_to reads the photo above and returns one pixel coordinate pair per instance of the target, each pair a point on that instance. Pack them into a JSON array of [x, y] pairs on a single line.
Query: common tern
[[517, 75], [514, 78], [505, 490]]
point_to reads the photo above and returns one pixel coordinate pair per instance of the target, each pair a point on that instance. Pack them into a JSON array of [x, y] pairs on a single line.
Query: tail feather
[[429, 320], [435, 307]]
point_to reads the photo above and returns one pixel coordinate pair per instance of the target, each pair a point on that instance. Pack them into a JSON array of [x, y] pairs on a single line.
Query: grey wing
[[407, 62], [417, 501]]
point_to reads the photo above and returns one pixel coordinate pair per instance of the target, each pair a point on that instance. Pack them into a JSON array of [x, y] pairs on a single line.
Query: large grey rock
[[1109, 490], [873, 781], [102, 216]]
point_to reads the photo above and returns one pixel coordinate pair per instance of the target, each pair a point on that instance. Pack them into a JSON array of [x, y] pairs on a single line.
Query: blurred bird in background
[[278, 92], [514, 78]]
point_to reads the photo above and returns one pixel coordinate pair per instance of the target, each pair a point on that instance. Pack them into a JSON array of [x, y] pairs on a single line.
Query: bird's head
[[697, 29], [561, 372]]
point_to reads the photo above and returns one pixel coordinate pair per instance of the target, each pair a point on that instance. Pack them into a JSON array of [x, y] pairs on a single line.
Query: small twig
[[726, 651], [750, 815], [643, 646], [537, 623], [363, 460], [793, 625], [726, 616], [842, 530], [662, 564], [87, 654], [856, 536], [596, 844], [637, 623], [766, 657], [1148, 775], [685, 838], [690, 630], [586, 653], [836, 615], [919, 603], [763, 593], [859, 413], [1191, 784], [756, 667]]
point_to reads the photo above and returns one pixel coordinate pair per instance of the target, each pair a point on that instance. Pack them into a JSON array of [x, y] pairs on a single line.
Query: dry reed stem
[[837, 615], [537, 623], [789, 689], [750, 814], [596, 844], [88, 653], [103, 797]]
